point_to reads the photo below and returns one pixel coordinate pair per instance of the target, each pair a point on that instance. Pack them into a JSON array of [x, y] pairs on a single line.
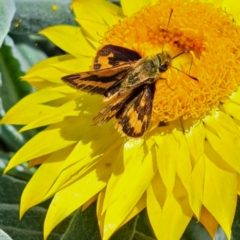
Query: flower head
[[188, 166]]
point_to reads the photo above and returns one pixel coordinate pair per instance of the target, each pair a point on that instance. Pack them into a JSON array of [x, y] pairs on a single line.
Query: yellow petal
[[100, 11], [238, 180], [217, 3], [220, 190], [55, 71], [232, 7], [209, 222], [54, 116], [141, 204], [235, 97], [89, 202], [34, 110], [63, 35], [41, 84], [50, 74], [101, 216], [223, 135], [125, 201], [169, 221], [197, 179], [195, 136], [167, 160], [184, 168], [177, 160], [77, 194], [37, 187], [232, 109], [130, 7], [53, 138], [80, 64], [117, 182], [37, 161], [74, 168], [46, 62], [93, 30]]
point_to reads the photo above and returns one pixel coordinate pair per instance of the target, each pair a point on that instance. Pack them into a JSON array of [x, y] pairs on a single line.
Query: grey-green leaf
[[126, 232], [34, 15], [31, 225], [236, 223], [4, 236], [83, 225], [7, 11]]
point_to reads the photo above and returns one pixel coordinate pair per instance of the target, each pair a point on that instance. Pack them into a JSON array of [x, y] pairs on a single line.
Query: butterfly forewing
[[111, 65], [97, 81], [111, 56], [135, 116]]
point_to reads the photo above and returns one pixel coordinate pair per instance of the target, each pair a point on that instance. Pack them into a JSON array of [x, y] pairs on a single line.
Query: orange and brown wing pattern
[[111, 65], [97, 81], [111, 109], [111, 56], [135, 116]]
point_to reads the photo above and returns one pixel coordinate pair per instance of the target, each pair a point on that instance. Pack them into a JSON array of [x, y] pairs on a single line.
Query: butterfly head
[[164, 61]]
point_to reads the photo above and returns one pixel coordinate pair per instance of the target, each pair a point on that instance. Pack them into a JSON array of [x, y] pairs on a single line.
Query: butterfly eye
[[164, 67]]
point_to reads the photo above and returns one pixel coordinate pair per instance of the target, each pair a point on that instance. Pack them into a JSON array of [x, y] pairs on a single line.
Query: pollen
[[204, 43]]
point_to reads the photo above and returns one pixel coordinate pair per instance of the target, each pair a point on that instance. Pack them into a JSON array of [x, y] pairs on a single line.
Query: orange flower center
[[209, 42]]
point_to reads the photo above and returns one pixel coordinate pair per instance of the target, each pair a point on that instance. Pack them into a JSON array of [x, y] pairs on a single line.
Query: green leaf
[[19, 57], [12, 88], [83, 225], [141, 236], [127, 231], [236, 223], [7, 11], [195, 231], [4, 236], [143, 225], [34, 15], [20, 172], [26, 51], [31, 225], [11, 138]]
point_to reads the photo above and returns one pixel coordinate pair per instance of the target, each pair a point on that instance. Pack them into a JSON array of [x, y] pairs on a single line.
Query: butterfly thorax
[[164, 61]]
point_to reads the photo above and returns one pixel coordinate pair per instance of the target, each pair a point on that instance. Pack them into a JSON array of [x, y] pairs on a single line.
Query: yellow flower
[[188, 167]]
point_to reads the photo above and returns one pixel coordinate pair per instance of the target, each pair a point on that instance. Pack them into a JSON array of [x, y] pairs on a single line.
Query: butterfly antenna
[[192, 77], [185, 52], [167, 83], [169, 19], [170, 16], [188, 74]]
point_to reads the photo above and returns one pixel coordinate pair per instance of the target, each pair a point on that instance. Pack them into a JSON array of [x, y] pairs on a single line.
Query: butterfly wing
[[135, 116], [111, 109], [97, 82], [111, 65], [144, 71], [112, 55]]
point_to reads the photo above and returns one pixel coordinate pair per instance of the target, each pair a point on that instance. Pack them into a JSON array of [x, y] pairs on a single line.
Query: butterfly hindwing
[[111, 109], [135, 116], [111, 55]]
